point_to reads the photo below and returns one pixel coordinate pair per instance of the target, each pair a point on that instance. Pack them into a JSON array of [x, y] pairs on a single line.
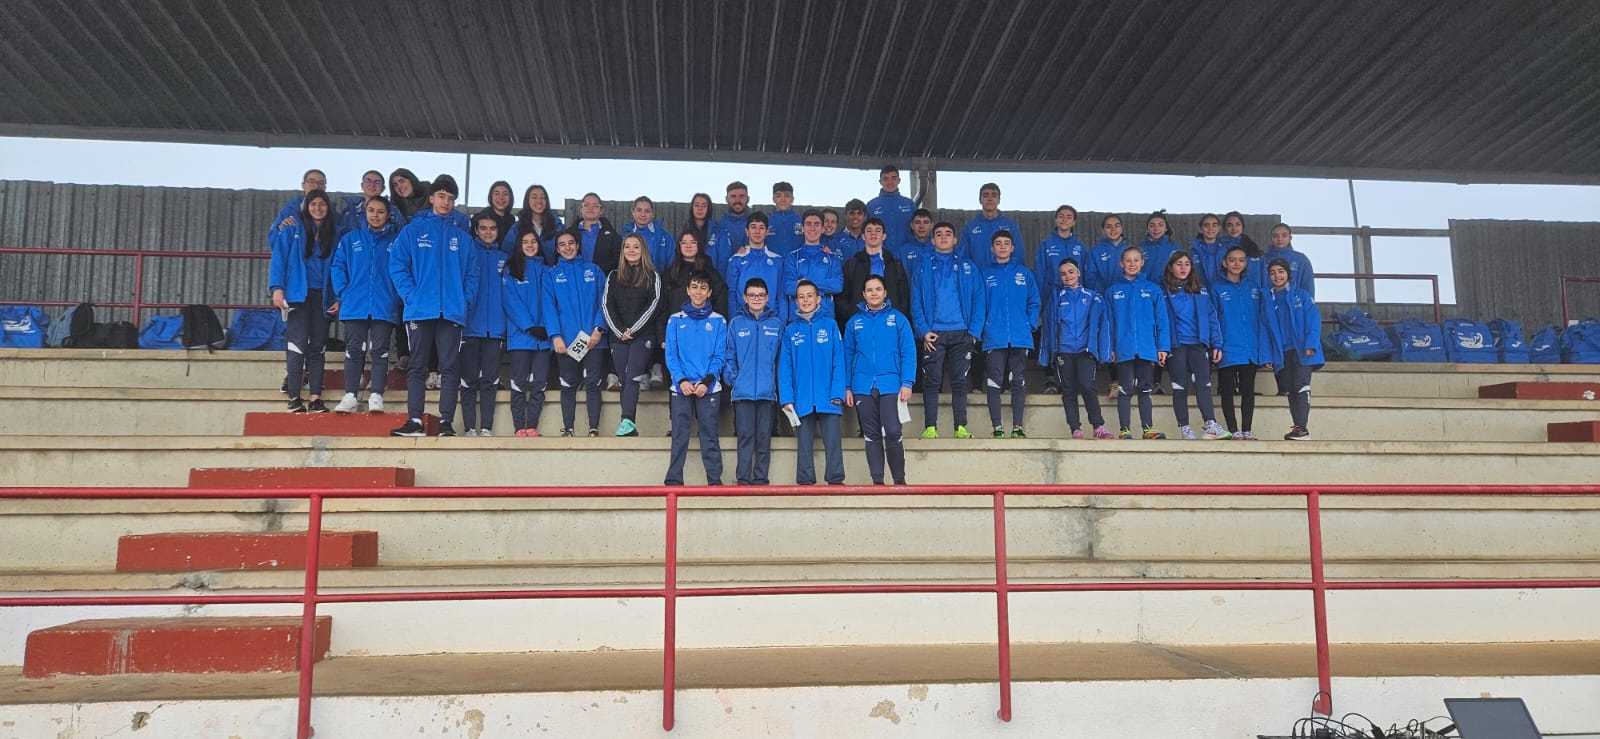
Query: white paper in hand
[[789, 413], [579, 347], [905, 411]]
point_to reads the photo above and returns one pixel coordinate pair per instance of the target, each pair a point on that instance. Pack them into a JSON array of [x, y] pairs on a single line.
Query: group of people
[[789, 316]]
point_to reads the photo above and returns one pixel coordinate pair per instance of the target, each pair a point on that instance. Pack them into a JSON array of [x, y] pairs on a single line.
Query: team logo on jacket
[[889, 320], [1144, 293], [742, 333], [455, 244], [822, 336], [423, 242], [588, 276], [1019, 278], [708, 326]]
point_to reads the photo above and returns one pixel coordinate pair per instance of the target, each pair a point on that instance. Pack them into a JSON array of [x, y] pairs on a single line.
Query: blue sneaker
[[626, 428]]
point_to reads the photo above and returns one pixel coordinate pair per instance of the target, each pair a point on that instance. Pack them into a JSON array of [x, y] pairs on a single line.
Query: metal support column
[[1361, 252], [925, 186]]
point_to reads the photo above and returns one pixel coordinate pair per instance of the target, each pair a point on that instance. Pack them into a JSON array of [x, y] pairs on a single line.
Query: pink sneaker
[[1101, 432], [1077, 433]]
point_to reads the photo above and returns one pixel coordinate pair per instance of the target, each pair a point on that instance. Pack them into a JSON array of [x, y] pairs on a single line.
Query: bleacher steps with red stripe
[[186, 645], [223, 550], [267, 478], [330, 424], [1577, 431], [1541, 391]]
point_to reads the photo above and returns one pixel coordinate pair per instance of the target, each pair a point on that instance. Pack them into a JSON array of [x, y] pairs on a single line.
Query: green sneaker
[[930, 433], [999, 433], [1018, 433], [963, 433], [627, 428], [1124, 433]]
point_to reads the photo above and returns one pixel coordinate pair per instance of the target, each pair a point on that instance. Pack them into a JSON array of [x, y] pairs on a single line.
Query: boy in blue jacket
[[812, 263], [751, 367], [881, 362], [695, 342], [484, 337], [784, 232], [1010, 316], [1296, 333], [435, 274], [657, 241], [979, 232], [368, 305], [353, 212], [811, 384], [947, 314], [756, 260], [894, 209]]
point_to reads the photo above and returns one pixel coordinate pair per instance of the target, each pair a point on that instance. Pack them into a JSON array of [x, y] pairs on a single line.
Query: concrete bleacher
[[135, 418]]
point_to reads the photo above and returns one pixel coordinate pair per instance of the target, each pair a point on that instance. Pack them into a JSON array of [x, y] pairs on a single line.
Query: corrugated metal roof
[[1476, 90]]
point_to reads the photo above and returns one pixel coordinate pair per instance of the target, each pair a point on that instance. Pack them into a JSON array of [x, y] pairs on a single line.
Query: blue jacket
[[895, 211], [880, 352], [289, 209], [695, 342], [947, 294], [750, 362], [844, 246], [976, 238], [572, 290], [1301, 275], [783, 231], [1140, 326], [360, 275], [292, 271], [524, 308], [1047, 261], [811, 366], [814, 264], [1010, 306], [910, 250], [433, 270], [1295, 325], [487, 317], [660, 243], [727, 236], [1156, 254], [1105, 264], [1194, 313], [547, 244], [353, 215], [1207, 258], [1075, 321], [1242, 314], [766, 264]]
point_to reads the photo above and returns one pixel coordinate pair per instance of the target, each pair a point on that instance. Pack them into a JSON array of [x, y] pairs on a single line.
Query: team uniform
[[880, 360]]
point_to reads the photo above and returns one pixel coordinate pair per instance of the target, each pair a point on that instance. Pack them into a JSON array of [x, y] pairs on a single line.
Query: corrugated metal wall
[[1511, 269]]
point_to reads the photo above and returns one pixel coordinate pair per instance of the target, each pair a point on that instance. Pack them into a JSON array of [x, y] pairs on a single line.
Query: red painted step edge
[[265, 478], [330, 424], [1574, 431], [1540, 390], [278, 550], [148, 645]]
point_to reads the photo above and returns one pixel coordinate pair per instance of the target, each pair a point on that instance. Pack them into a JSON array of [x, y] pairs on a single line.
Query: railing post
[[1323, 703], [1002, 610], [308, 618], [669, 648], [138, 287], [1438, 312], [1564, 314]]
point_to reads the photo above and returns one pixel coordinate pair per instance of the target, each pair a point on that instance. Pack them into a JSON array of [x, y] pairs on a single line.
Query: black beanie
[[446, 183]]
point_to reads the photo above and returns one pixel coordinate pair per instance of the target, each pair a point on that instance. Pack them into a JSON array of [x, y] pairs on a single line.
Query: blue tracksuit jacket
[[895, 211], [292, 271], [695, 342], [1140, 325], [810, 262], [572, 290], [1242, 315], [1047, 261], [750, 364], [976, 237], [1075, 321], [1156, 254], [1296, 325], [766, 264], [947, 294], [1105, 264], [433, 269], [524, 308], [727, 236], [360, 275], [1194, 318], [1010, 306], [845, 246], [487, 318], [353, 215], [811, 366], [783, 231], [1301, 275], [880, 352]]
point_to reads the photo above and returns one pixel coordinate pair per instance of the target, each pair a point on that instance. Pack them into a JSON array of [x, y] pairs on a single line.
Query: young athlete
[[811, 384], [894, 209], [696, 338], [1062, 244], [1246, 342], [875, 258], [1105, 259], [298, 278], [978, 233], [502, 208], [919, 243], [1141, 336], [527, 339], [1208, 248], [756, 260], [1301, 277], [353, 212], [1196, 344], [482, 339], [1157, 246], [881, 364], [848, 241], [630, 304], [1297, 336], [1074, 341], [1010, 315], [536, 218], [369, 309], [598, 242], [658, 242], [947, 315], [572, 301], [751, 368], [728, 233], [783, 232], [814, 264]]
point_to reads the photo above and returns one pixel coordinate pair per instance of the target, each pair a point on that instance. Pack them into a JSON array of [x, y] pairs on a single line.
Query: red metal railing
[[669, 592], [1438, 309], [137, 304], [1566, 317]]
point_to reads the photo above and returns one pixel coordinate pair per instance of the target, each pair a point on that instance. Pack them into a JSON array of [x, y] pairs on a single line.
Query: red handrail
[[669, 592], [1566, 317], [1438, 309], [137, 304]]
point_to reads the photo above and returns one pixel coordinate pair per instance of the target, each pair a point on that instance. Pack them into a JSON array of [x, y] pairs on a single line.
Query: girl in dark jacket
[[408, 193], [500, 209], [632, 304], [691, 258]]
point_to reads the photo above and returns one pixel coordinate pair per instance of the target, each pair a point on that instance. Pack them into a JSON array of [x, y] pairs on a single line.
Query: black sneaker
[[566, 432], [297, 405], [316, 406], [594, 433], [1298, 433], [446, 430], [411, 428]]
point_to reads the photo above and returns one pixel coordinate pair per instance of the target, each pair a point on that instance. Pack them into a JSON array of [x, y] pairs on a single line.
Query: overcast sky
[[1307, 202]]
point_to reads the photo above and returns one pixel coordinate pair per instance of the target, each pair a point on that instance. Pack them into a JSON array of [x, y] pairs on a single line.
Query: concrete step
[[257, 478], [169, 369], [148, 645], [279, 423], [145, 412], [234, 550], [1575, 431], [1541, 390]]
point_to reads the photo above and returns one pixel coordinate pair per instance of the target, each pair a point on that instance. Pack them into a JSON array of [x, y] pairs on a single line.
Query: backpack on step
[[162, 332], [23, 326], [1544, 347], [72, 327], [1359, 338], [201, 328], [1508, 341], [1416, 341], [1469, 341], [256, 329], [1580, 343]]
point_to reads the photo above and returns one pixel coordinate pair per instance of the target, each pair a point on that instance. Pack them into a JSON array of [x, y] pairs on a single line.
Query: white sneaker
[[1186, 432], [485, 432], [374, 403], [470, 432], [433, 381], [1215, 430], [347, 404], [612, 383], [656, 378]]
